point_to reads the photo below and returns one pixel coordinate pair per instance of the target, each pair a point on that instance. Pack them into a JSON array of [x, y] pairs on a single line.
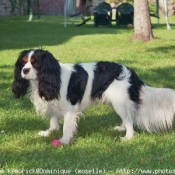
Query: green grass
[[96, 146]]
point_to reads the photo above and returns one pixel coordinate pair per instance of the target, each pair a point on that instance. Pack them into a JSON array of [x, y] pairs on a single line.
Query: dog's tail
[[157, 109]]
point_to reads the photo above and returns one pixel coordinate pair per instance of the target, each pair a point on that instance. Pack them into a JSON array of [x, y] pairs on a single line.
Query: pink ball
[[55, 143]]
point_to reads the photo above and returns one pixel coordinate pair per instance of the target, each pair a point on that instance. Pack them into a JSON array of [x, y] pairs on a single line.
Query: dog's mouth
[[29, 74]]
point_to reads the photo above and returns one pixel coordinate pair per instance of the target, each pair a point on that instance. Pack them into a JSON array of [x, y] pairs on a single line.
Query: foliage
[[96, 146]]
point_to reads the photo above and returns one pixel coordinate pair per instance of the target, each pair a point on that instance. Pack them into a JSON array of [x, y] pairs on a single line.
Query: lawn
[[96, 149]]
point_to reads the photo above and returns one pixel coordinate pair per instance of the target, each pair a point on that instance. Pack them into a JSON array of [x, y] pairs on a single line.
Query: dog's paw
[[44, 133], [124, 139], [65, 141], [119, 128]]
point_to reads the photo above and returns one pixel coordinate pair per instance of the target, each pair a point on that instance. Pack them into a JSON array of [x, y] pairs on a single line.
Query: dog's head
[[40, 66]]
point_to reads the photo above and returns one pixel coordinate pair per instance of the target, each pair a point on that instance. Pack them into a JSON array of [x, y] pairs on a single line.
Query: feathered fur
[[65, 90], [20, 85]]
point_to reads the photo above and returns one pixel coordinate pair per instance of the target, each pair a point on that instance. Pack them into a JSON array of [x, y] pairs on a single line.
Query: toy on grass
[[55, 143]]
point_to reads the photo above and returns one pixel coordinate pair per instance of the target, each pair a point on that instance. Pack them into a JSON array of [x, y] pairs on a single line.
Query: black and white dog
[[65, 90]]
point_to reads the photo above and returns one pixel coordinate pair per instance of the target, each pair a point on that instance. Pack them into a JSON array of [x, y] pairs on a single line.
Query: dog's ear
[[48, 76], [19, 85]]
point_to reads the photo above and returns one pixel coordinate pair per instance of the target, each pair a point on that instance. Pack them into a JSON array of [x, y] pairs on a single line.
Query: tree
[[142, 21]]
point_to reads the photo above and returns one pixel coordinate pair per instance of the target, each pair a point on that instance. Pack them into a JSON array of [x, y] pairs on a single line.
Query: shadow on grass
[[19, 125], [163, 49], [162, 26], [163, 77], [17, 33], [99, 123], [45, 32]]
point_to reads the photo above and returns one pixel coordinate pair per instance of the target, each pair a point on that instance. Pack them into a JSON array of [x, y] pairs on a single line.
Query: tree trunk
[[142, 21]]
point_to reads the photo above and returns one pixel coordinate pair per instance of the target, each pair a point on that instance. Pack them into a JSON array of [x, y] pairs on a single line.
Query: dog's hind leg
[[126, 112]]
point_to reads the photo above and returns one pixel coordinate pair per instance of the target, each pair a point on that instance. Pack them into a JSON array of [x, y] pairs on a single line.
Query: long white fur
[[157, 110], [155, 113]]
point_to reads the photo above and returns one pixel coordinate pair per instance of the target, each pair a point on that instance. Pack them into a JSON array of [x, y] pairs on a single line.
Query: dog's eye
[[25, 60], [33, 61]]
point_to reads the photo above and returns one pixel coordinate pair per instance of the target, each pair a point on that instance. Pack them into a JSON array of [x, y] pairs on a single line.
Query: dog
[[65, 90]]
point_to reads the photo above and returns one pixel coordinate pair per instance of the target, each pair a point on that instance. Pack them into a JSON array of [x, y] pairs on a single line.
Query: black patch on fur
[[77, 84], [104, 75], [134, 89], [20, 85], [49, 80]]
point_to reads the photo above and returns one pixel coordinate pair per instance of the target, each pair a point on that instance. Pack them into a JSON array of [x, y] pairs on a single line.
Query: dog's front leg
[[69, 127], [54, 125]]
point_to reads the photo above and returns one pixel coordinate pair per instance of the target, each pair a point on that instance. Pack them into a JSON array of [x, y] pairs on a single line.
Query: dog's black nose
[[26, 70]]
